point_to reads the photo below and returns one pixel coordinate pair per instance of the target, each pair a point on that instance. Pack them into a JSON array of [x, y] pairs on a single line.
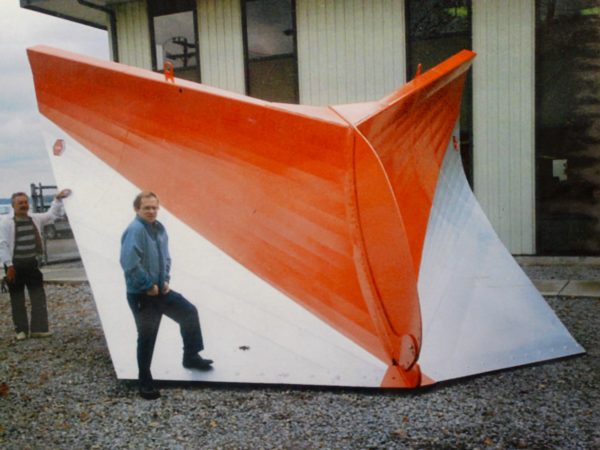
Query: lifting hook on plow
[[169, 71]]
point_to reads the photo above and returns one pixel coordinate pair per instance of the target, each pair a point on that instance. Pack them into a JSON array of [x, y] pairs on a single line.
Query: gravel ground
[[61, 392], [562, 272]]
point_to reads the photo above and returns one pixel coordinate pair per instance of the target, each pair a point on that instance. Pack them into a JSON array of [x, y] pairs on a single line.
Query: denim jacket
[[145, 256]]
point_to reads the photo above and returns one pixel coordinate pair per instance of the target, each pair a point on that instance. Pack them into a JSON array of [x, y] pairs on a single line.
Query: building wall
[[504, 118], [221, 44], [349, 50], [134, 34], [336, 39]]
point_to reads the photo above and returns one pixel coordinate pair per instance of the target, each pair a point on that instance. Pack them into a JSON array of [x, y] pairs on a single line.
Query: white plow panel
[[480, 311]]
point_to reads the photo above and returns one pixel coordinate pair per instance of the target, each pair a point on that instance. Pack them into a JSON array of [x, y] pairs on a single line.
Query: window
[[174, 37], [436, 30], [270, 50], [567, 83]]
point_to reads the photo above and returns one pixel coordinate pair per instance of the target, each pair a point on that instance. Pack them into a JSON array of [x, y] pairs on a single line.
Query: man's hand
[[166, 288], [153, 291], [63, 194], [11, 274]]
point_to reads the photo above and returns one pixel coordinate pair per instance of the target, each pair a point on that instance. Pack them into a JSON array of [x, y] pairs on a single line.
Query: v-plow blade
[[321, 245]]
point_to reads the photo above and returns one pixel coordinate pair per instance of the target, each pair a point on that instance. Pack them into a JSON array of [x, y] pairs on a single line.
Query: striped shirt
[[27, 241]]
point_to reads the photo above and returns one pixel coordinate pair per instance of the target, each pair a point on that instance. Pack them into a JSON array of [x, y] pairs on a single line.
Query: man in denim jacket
[[146, 262]]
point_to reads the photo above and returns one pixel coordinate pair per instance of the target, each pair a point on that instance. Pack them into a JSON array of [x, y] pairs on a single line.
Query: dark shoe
[[197, 362], [40, 334], [149, 392]]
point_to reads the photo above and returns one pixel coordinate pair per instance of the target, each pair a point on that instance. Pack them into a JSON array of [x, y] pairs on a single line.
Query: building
[[530, 125]]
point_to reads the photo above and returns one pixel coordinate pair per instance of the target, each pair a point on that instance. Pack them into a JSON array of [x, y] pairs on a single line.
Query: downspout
[[112, 16]]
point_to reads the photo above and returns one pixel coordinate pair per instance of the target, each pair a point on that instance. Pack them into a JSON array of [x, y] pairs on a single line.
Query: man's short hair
[[137, 203], [17, 194]]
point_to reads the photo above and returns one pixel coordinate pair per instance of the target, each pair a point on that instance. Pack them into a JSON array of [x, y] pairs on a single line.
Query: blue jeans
[[148, 311]]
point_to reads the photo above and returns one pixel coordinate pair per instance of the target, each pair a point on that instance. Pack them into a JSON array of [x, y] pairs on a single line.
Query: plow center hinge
[[409, 351]]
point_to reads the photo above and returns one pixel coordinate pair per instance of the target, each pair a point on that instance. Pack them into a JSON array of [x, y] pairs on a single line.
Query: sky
[[23, 158]]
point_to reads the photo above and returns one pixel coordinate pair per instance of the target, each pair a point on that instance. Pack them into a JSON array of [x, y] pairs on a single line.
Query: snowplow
[[335, 245]]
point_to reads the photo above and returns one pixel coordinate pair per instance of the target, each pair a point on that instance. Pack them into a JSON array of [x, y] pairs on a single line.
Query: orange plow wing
[[326, 209]]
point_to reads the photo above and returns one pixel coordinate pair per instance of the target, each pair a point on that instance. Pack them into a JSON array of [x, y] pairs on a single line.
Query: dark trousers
[[28, 276], [148, 311]]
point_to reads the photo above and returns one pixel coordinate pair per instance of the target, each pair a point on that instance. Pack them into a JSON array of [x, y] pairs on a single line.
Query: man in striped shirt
[[20, 246]]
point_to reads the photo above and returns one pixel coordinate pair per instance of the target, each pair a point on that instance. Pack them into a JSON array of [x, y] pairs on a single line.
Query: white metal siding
[[503, 118], [221, 44], [134, 34], [349, 50]]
